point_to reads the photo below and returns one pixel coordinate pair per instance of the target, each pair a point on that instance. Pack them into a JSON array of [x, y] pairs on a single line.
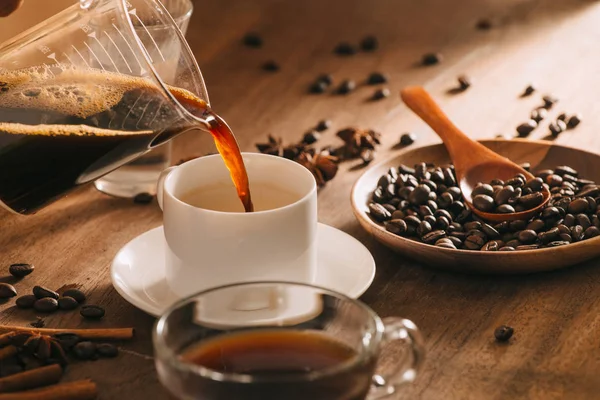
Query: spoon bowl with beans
[[494, 188]]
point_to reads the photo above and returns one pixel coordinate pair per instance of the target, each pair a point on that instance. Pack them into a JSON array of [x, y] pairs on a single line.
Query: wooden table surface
[[555, 352]]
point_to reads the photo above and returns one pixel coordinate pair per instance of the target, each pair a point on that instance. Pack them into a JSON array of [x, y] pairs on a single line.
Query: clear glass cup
[[141, 175], [230, 312]]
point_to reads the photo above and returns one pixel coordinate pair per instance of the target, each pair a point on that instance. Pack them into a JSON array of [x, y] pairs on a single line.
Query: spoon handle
[[459, 146]]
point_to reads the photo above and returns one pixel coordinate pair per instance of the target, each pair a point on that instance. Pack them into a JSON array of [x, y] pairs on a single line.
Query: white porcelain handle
[[160, 185]]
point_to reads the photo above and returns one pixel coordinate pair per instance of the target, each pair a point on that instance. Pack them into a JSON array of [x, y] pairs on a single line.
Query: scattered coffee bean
[[503, 333], [323, 125], [433, 236], [538, 114], [562, 117], [526, 128], [381, 94], [431, 59], [407, 139], [76, 294], [345, 49], [346, 87], [369, 43], [318, 87], [107, 350], [84, 350], [67, 303], [463, 82], [484, 25], [20, 270], [483, 202], [67, 340], [376, 78], [252, 40], [93, 312], [557, 127], [271, 66], [143, 198], [528, 90], [327, 79], [46, 305], [311, 137], [26, 301], [41, 292], [573, 121], [397, 227], [7, 291], [549, 101]]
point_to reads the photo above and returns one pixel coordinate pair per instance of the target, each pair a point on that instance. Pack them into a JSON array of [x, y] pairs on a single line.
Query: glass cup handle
[[406, 331], [160, 184]]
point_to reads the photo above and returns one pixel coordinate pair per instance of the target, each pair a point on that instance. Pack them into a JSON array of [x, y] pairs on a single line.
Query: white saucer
[[344, 265]]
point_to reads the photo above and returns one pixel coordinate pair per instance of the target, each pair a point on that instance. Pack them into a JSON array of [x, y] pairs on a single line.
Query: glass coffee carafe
[[82, 94]]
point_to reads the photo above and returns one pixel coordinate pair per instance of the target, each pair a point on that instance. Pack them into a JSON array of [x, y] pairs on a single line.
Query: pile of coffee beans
[[424, 203], [514, 195]]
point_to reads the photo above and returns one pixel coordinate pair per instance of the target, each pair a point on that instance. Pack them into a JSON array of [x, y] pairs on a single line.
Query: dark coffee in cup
[[279, 358]]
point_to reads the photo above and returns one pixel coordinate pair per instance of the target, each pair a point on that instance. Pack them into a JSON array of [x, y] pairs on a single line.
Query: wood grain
[[552, 43]]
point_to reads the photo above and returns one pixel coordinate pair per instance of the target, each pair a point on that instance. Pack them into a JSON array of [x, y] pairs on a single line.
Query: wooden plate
[[540, 154]]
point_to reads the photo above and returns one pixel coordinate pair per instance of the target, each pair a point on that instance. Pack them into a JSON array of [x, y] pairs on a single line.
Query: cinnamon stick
[[88, 334], [7, 352], [31, 379], [77, 390]]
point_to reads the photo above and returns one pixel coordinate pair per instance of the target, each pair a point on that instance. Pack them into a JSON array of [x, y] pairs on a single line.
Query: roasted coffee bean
[[431, 219], [432, 204], [431, 59], [381, 93], [457, 207], [433, 236], [565, 170], [482, 188], [379, 213], [67, 303], [464, 216], [445, 199], [271, 66], [503, 333], [557, 243], [446, 245], [577, 233], [590, 191], [549, 101], [67, 340], [376, 78], [569, 220], [345, 49], [526, 128], [562, 117], [26, 301], [506, 248], [490, 232], [397, 227], [565, 237], [384, 181], [443, 213], [528, 90], [406, 170], [583, 220], [538, 114], [537, 225], [595, 221], [107, 350], [318, 87], [502, 227], [527, 236], [505, 209], [442, 223], [557, 127], [503, 195], [535, 184], [492, 245], [398, 214], [514, 243], [483, 202], [323, 125], [389, 207], [573, 121], [93, 312], [527, 191], [346, 87], [473, 225], [46, 305], [84, 350], [463, 82], [252, 40], [412, 220], [549, 236], [7, 291], [424, 211], [458, 234], [515, 182], [424, 228], [407, 139], [457, 242], [527, 247], [563, 228], [550, 213], [578, 206], [311, 137], [405, 191], [531, 200], [591, 232], [420, 195], [20, 270], [41, 292], [474, 242]]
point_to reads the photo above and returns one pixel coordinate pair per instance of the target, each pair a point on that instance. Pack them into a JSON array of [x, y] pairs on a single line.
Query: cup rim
[[312, 191], [166, 354]]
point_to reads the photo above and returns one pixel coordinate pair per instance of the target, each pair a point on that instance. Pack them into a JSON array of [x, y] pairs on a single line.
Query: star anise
[[275, 147], [357, 140], [322, 165], [45, 348]]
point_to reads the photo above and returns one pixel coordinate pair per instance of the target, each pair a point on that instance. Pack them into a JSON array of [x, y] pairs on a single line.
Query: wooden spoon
[[473, 162]]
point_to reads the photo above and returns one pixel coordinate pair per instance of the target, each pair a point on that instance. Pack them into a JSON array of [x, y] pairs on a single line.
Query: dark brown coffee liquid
[[62, 128], [280, 359]]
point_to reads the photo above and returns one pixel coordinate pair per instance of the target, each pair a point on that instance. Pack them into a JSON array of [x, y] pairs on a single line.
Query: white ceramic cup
[[207, 248]]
